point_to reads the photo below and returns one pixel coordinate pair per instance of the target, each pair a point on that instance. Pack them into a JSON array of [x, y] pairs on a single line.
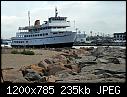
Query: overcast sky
[[97, 16]]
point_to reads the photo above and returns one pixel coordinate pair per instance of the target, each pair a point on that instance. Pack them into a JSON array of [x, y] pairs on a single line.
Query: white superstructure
[[53, 33]]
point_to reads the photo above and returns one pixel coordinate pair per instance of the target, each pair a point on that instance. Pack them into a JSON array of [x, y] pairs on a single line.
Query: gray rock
[[86, 61], [98, 51], [113, 60], [122, 60], [31, 75], [88, 58], [102, 60], [55, 68], [100, 71]]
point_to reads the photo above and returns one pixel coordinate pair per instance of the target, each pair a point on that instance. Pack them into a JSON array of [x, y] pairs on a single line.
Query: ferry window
[[35, 35], [55, 33], [58, 27], [46, 33], [60, 32], [24, 35], [26, 41], [40, 34]]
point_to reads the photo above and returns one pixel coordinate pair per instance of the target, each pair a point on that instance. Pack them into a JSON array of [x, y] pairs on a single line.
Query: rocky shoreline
[[83, 65]]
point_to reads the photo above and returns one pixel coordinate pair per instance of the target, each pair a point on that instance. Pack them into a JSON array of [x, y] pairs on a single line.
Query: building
[[80, 38], [120, 37], [6, 43]]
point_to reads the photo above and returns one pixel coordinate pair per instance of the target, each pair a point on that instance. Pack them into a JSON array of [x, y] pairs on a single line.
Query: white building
[[120, 37], [80, 38]]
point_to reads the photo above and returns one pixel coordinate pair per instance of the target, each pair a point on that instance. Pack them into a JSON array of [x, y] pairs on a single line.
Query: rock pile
[[101, 64]]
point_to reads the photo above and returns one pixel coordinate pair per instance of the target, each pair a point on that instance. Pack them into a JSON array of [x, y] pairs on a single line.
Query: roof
[[58, 17], [119, 33]]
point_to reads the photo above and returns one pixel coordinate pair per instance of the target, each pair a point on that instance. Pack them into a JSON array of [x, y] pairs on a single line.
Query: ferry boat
[[53, 33]]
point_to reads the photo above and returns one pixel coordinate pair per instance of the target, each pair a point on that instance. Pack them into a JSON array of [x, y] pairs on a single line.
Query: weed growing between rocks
[[25, 52]]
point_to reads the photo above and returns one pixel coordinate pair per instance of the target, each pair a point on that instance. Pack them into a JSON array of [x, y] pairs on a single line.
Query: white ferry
[[52, 33]]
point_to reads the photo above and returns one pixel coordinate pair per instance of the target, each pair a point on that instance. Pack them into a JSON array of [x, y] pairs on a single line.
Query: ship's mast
[[29, 17], [56, 13]]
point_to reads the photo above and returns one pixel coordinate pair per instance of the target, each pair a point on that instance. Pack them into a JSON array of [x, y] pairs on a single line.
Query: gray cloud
[[98, 16]]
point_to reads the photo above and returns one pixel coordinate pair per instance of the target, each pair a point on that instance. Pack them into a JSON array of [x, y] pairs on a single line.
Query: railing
[[57, 24]]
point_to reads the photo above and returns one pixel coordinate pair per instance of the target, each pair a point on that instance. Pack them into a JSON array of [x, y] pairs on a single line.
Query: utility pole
[[91, 33]]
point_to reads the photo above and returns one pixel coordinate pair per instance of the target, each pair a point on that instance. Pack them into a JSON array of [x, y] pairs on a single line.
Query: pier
[[100, 44]]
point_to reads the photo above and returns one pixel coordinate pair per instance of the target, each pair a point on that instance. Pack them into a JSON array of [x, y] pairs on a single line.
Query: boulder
[[113, 60], [37, 69], [14, 76], [55, 68], [102, 60], [60, 58], [76, 68], [49, 60], [63, 74], [44, 65], [122, 60], [88, 58], [52, 78], [30, 75], [73, 67]]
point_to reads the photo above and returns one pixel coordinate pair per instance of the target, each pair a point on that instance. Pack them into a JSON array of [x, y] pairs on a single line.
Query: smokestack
[[37, 23]]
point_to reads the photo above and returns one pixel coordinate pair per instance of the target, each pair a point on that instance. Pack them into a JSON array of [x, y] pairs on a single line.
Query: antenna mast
[[29, 17], [56, 12]]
